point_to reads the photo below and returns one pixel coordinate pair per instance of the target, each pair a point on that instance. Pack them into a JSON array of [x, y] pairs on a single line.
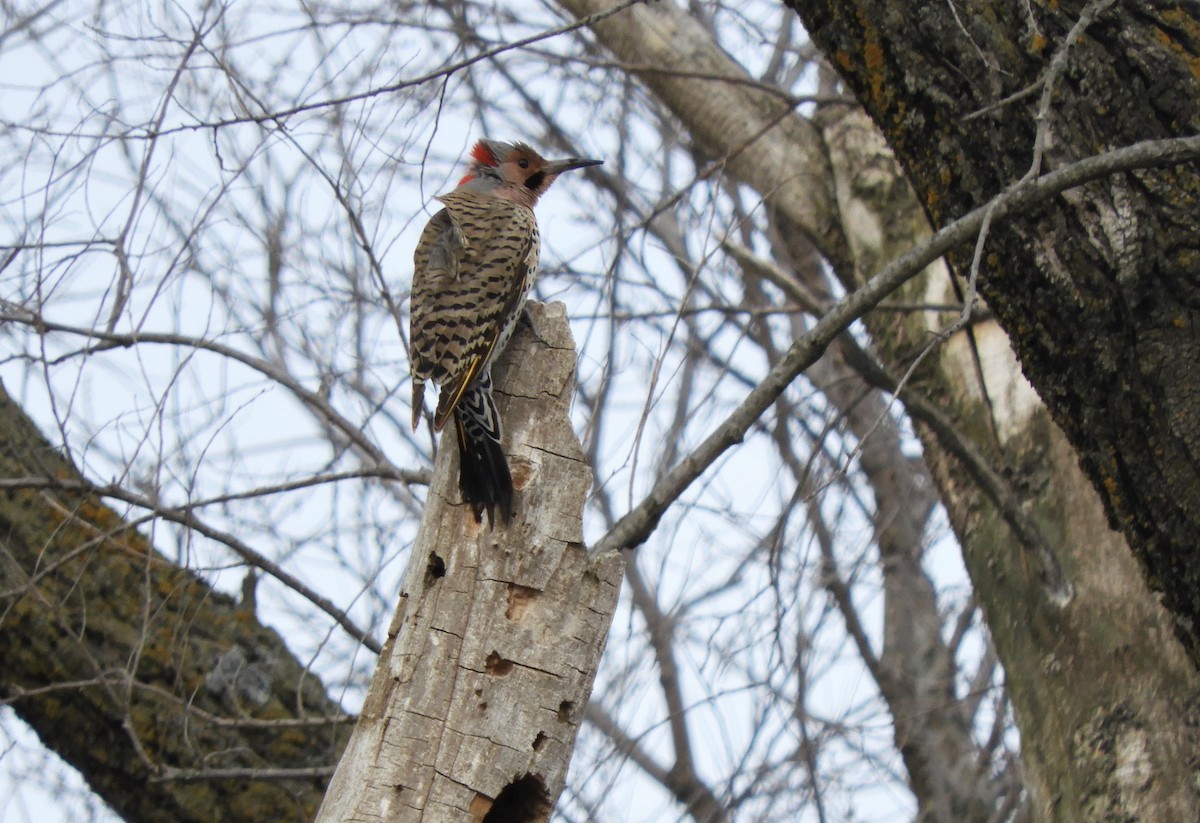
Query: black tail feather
[[484, 477]]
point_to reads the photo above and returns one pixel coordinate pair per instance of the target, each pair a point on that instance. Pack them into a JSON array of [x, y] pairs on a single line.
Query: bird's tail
[[484, 478]]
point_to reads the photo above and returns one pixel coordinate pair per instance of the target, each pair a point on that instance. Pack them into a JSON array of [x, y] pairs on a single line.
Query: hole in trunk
[[525, 800], [435, 571]]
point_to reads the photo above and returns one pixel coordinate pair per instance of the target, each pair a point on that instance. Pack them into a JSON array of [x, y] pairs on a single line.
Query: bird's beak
[[559, 166]]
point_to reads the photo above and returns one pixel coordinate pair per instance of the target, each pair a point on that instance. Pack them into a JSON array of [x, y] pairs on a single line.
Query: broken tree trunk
[[474, 707]]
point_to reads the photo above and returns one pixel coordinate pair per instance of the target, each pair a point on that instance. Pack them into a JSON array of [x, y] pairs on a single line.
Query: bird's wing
[[471, 269], [435, 262]]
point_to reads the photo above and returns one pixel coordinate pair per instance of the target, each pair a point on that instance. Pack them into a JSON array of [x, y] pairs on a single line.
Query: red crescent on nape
[[484, 154]]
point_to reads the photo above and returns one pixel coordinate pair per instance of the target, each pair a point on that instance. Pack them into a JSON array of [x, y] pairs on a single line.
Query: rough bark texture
[[1100, 289], [1095, 290], [130, 667], [473, 710]]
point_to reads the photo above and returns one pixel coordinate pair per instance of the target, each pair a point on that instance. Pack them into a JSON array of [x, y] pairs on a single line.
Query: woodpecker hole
[[525, 800], [564, 711], [435, 570], [539, 741], [519, 598], [496, 665], [522, 471]]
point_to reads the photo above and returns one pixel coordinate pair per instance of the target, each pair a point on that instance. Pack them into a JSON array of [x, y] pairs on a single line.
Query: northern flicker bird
[[473, 268]]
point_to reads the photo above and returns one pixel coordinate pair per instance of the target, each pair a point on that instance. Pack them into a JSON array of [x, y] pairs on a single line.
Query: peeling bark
[[480, 690]]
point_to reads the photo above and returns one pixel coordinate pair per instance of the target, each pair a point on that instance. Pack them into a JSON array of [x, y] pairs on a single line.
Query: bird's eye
[[523, 163]]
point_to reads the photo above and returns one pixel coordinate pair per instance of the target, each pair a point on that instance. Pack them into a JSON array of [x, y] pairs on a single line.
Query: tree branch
[[636, 526]]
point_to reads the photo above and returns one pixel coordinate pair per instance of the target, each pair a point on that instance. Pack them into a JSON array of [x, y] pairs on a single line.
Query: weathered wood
[[480, 690]]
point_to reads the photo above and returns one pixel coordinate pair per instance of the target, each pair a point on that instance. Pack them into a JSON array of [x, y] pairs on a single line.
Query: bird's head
[[518, 170]]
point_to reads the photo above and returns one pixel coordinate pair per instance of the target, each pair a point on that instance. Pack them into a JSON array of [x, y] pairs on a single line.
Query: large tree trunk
[[1083, 720], [1097, 291], [480, 689], [1092, 731], [1099, 288], [171, 699]]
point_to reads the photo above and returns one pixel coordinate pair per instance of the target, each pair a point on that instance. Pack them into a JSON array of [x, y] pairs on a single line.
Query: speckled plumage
[[473, 268]]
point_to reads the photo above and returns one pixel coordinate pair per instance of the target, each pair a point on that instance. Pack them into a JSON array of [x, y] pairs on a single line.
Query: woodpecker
[[473, 268]]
